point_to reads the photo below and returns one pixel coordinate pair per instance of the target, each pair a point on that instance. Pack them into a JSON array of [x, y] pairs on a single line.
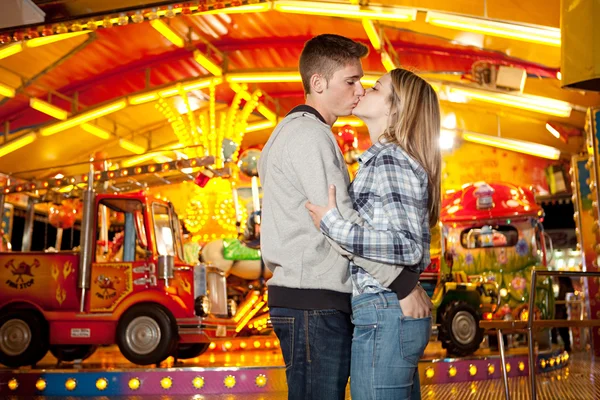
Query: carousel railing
[[531, 325]]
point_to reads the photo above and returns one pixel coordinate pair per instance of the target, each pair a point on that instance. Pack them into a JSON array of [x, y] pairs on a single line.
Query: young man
[[309, 294]]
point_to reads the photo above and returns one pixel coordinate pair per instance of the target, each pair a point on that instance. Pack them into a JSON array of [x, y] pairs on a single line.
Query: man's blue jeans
[[316, 347], [386, 349]]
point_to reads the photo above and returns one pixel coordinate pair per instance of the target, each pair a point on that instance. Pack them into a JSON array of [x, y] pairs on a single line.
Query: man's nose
[[360, 91]]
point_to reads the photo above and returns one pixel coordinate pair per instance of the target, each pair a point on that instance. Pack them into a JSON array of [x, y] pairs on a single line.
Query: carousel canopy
[[482, 201], [122, 80]]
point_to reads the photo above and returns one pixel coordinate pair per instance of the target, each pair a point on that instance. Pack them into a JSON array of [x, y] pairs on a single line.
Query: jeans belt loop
[[383, 299]]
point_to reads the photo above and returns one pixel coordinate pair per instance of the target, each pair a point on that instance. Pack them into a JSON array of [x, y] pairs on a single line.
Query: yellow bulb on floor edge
[[429, 372], [134, 383], [198, 382], [472, 370], [261, 380], [229, 381], [40, 384], [13, 384], [70, 384], [101, 383], [452, 371], [166, 382]]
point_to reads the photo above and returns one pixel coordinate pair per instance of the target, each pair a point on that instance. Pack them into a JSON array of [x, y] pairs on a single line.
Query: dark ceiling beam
[[72, 10]]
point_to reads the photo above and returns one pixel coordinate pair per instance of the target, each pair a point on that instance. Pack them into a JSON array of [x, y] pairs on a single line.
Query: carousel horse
[[237, 257]]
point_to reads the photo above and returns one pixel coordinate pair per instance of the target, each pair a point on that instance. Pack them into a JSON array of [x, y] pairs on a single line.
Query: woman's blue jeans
[[386, 348]]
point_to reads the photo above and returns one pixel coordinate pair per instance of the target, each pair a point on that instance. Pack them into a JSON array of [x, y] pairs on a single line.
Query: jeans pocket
[[365, 320], [364, 316], [364, 332], [284, 329], [414, 337]]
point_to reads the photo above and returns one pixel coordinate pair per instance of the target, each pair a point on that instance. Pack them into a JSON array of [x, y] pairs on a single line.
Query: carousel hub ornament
[[100, 161], [347, 139], [62, 216], [249, 162], [203, 177], [229, 148]]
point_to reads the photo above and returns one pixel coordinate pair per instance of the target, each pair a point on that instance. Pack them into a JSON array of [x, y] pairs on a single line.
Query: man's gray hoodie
[[298, 163]]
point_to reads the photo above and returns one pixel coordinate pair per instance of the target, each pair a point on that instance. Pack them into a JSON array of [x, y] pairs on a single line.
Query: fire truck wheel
[[23, 338], [70, 353], [459, 329], [186, 351], [146, 334]]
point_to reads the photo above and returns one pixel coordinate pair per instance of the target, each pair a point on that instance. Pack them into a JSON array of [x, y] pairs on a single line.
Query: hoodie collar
[[307, 109]]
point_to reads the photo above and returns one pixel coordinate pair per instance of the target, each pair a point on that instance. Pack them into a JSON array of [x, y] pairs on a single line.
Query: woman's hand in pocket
[[417, 304]]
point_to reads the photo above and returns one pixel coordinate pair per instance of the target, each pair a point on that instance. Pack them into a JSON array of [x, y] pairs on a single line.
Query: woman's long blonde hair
[[414, 125]]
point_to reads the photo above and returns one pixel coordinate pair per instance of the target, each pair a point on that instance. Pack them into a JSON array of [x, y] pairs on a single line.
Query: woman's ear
[[390, 112]]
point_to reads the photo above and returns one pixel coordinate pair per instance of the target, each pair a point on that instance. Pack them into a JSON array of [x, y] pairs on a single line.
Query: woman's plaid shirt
[[390, 194]]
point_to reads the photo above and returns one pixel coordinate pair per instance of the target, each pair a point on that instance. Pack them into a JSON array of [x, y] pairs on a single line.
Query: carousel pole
[[583, 229], [236, 205], [87, 237], [588, 192], [104, 228], [1, 219], [104, 217], [29, 221], [59, 235], [255, 199]]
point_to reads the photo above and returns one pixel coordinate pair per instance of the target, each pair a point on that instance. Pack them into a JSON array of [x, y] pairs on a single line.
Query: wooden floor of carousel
[[252, 368]]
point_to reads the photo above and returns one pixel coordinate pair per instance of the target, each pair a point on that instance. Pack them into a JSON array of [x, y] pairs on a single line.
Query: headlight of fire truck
[[231, 308], [202, 306]]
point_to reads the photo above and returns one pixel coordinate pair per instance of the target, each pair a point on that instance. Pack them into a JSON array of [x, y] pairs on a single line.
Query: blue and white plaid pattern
[[390, 194]]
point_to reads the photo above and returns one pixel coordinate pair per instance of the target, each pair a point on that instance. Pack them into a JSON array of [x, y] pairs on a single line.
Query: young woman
[[397, 193]]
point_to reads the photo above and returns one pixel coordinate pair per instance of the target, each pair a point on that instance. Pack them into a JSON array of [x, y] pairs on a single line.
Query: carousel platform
[[248, 366]]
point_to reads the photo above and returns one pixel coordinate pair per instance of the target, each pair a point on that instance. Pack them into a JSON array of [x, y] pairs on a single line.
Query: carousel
[[128, 177]]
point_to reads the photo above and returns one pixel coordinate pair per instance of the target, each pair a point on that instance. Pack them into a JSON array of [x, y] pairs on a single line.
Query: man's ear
[[317, 83]]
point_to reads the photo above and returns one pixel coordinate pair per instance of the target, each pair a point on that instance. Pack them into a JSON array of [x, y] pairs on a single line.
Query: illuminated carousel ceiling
[[114, 68]]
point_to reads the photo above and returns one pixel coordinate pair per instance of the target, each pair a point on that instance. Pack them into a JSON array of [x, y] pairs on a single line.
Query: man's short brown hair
[[325, 54]]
